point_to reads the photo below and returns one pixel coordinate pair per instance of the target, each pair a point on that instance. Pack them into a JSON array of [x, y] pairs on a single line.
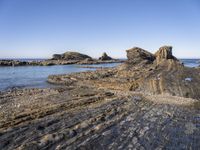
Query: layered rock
[[147, 73], [124, 108], [164, 53], [105, 57], [137, 55]]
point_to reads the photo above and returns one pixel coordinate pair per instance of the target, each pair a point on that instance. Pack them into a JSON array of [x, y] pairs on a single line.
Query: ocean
[[36, 76]]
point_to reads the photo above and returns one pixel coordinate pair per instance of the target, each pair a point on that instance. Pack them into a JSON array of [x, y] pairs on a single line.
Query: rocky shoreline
[[67, 58], [151, 101]]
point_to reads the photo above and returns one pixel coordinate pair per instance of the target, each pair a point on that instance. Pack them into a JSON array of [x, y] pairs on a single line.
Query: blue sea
[[36, 76]]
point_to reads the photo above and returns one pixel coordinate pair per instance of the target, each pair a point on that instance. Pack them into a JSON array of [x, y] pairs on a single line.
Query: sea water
[[36, 76]]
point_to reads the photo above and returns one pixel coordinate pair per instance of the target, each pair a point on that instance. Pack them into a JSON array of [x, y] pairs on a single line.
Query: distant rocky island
[[151, 101], [63, 59]]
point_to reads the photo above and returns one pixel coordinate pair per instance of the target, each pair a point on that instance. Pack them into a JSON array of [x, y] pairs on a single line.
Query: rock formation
[[105, 57], [13, 63], [57, 57], [62, 59], [137, 55], [164, 53], [70, 56], [164, 75], [133, 106], [159, 73], [75, 56]]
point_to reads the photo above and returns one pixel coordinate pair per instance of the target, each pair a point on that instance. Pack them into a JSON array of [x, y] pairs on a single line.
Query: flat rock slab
[[82, 117]]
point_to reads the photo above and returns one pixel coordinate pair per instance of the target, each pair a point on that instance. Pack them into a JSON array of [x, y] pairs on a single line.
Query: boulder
[[136, 55], [105, 57]]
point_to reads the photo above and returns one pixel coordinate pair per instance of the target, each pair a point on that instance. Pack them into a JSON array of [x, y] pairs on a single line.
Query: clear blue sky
[[40, 28]]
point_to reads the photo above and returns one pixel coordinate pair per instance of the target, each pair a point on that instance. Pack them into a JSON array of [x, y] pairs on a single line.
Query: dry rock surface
[[149, 102]]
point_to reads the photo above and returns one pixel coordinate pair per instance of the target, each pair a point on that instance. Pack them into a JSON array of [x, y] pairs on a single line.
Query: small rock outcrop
[[136, 55], [74, 56], [13, 63], [105, 57], [70, 56]]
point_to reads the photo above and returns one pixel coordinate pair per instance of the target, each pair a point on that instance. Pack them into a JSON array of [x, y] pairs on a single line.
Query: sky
[[41, 28]]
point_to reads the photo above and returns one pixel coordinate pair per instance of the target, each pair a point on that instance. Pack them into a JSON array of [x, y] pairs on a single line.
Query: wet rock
[[105, 57]]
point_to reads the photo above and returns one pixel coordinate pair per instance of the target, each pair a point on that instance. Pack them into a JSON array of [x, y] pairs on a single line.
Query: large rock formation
[[136, 55], [165, 75], [105, 57], [147, 73]]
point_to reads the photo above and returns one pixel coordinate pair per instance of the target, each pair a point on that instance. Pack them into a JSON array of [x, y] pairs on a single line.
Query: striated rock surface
[[105, 57], [77, 116], [147, 73], [138, 55], [164, 53]]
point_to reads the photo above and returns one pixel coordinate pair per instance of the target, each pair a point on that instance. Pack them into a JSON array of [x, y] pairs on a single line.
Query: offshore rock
[[13, 63], [74, 56], [105, 57], [70, 56], [62, 59]]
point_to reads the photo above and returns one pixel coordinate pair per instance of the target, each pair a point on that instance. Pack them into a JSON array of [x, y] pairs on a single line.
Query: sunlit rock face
[[155, 74], [165, 74], [136, 55], [165, 53]]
